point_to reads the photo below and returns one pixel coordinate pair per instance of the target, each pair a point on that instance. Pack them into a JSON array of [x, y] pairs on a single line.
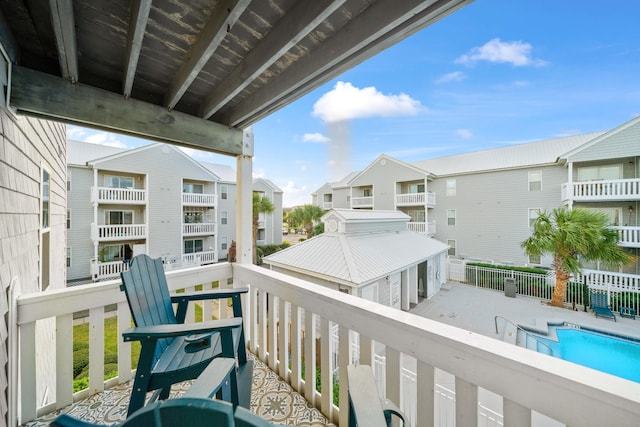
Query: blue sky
[[495, 73]]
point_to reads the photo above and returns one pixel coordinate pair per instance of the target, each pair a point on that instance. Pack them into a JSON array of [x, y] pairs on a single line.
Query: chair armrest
[[155, 332], [209, 294], [389, 409]]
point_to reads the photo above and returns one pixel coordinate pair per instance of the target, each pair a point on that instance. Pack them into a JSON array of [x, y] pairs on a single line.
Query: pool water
[[604, 353]]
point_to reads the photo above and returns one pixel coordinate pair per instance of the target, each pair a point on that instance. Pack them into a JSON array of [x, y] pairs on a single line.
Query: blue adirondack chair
[[600, 306], [171, 351], [195, 412]]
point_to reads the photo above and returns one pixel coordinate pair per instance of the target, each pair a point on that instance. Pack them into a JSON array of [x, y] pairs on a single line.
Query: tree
[[573, 236], [261, 204], [306, 215]]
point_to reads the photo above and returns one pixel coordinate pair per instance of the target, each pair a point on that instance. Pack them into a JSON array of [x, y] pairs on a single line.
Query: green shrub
[[80, 361], [285, 244]]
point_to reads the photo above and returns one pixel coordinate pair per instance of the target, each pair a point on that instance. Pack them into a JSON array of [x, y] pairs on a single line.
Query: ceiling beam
[[350, 45], [137, 24], [65, 33], [221, 20], [53, 98], [294, 26]]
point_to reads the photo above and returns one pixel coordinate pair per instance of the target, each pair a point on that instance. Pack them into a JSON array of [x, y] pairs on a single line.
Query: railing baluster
[[466, 403], [124, 348], [296, 349], [309, 357], [326, 370], [426, 380], [28, 406], [344, 359], [96, 350], [283, 340], [64, 360], [515, 415], [272, 330]]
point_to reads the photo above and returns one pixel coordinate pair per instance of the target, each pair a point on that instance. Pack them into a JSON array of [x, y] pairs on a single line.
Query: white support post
[[516, 415], [124, 348], [570, 186], [466, 403], [425, 408], [244, 201], [96, 350]]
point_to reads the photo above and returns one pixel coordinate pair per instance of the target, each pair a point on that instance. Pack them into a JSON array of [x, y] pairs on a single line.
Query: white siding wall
[[79, 236], [228, 205], [492, 211], [27, 144]]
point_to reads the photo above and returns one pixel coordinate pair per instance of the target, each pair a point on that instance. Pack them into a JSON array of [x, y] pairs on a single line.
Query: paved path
[[474, 309]]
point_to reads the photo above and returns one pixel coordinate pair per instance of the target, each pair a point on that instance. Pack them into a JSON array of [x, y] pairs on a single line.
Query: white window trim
[[455, 217], [529, 181], [453, 189], [105, 180], [455, 247], [529, 218]]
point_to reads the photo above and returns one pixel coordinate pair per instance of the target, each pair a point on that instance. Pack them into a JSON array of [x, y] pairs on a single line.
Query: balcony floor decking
[[271, 398]]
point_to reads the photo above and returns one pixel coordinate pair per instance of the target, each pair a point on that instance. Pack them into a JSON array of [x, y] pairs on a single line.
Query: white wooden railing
[[107, 270], [104, 233], [118, 195], [197, 199], [327, 205], [197, 229], [362, 202], [610, 189], [416, 199], [428, 228], [199, 258], [526, 380], [628, 236]]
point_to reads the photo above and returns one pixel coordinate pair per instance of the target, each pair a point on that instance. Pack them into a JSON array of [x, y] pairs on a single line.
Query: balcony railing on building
[[628, 236], [362, 202], [408, 350], [327, 205], [613, 189], [199, 258], [107, 270], [416, 199], [106, 233], [128, 196], [428, 228], [198, 199], [198, 229]]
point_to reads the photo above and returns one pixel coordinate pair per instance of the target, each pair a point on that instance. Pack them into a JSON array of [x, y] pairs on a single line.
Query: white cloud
[[516, 53], [315, 137], [346, 101], [294, 195], [258, 173], [104, 138], [464, 133], [456, 76]]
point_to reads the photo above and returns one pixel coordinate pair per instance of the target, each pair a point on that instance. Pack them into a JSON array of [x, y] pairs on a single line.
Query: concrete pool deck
[[474, 309]]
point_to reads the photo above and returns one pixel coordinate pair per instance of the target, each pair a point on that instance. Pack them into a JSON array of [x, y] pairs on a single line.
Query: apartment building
[[153, 199], [483, 204]]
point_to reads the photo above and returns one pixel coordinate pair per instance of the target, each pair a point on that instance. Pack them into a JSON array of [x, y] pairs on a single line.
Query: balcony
[[327, 205], [199, 229], [416, 199], [357, 329], [629, 237], [107, 270], [112, 233], [120, 196], [428, 228], [594, 191], [199, 258], [197, 199], [362, 202]]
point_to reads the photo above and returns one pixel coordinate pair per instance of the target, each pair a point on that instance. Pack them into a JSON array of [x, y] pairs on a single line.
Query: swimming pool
[[604, 353]]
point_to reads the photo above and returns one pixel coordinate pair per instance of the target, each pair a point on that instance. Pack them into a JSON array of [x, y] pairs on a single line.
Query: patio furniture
[[600, 306], [193, 412], [366, 408], [629, 312], [173, 351]]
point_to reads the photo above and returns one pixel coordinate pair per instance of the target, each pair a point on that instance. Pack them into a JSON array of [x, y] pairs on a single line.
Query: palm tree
[[306, 215], [573, 236], [261, 204]]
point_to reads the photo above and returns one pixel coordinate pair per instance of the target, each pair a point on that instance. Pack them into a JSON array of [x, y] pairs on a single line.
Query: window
[[534, 259], [111, 253], [223, 217], [192, 188], [533, 215], [69, 182], [118, 217], [193, 246], [416, 188], [451, 187], [46, 193], [535, 181], [68, 257], [68, 219], [594, 173], [223, 243], [193, 217], [112, 181], [452, 247], [223, 192], [451, 216], [614, 214], [366, 192]]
